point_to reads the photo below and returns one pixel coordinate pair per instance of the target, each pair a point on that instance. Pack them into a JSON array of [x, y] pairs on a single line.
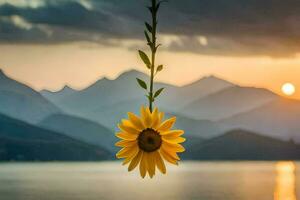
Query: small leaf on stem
[[157, 6], [157, 93], [142, 83], [145, 59], [150, 9], [149, 27], [159, 68], [157, 46], [147, 37]]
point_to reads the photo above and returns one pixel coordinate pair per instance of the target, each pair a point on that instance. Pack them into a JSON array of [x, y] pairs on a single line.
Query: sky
[[51, 43]]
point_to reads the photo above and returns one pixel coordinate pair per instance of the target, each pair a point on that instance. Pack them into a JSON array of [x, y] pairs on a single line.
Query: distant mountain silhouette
[[103, 93], [279, 118], [20, 101], [197, 128], [24, 142], [95, 101], [57, 96], [205, 108], [110, 115], [81, 129], [179, 97], [79, 125], [243, 145], [228, 102], [106, 100]]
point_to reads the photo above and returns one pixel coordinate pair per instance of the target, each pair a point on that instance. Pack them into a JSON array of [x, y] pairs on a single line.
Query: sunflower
[[147, 140]]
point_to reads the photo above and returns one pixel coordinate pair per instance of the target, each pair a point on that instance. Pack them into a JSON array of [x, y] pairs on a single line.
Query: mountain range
[[22, 141], [279, 119], [243, 145], [22, 102], [228, 102], [80, 129], [57, 96], [207, 109]]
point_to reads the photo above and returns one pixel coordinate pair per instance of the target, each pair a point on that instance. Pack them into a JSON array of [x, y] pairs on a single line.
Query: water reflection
[[109, 181], [285, 181]]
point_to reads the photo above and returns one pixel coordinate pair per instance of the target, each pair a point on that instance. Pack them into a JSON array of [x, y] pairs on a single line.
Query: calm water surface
[[191, 180]]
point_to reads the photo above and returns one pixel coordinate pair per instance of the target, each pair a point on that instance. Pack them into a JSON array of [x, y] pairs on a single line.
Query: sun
[[288, 89]]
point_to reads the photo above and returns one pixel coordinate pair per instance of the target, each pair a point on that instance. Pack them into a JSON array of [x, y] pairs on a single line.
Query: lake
[[189, 181]]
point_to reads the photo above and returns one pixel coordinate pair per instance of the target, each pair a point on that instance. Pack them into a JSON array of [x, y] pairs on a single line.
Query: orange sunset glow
[[285, 181], [149, 99], [79, 65]]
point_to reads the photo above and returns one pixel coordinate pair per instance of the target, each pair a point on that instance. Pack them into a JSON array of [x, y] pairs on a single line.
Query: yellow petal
[[126, 122], [128, 129], [167, 125], [173, 147], [171, 153], [143, 165], [155, 119], [167, 157], [136, 121], [172, 133], [135, 161], [126, 161], [126, 143], [161, 116], [151, 164], [146, 155], [146, 116], [127, 152], [126, 136], [130, 157], [174, 140], [160, 163]]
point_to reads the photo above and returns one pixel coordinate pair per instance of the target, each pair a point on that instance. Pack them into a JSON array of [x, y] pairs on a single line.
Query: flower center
[[149, 140]]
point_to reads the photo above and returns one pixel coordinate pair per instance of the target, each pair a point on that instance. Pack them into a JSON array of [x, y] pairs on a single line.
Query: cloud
[[15, 32], [231, 27], [24, 3]]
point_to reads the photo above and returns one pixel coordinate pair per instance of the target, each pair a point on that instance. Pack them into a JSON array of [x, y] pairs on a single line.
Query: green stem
[[153, 52]]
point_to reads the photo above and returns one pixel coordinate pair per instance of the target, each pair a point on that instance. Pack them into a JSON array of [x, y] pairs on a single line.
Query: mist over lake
[[191, 180]]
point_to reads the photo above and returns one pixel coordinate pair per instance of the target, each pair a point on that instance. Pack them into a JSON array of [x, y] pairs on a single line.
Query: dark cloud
[[232, 27], [68, 21], [9, 33]]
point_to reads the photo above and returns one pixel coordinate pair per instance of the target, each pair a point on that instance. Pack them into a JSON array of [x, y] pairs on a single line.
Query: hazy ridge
[[208, 110]]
